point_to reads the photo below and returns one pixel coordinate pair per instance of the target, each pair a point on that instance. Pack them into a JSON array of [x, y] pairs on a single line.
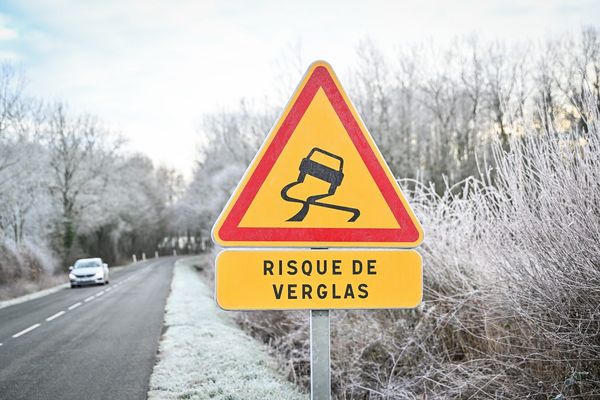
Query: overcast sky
[[151, 69]]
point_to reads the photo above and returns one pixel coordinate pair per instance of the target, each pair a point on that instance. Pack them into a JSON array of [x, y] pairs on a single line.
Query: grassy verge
[[204, 355]]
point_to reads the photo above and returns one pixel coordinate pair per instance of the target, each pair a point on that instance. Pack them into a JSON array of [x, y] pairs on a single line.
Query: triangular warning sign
[[318, 180]]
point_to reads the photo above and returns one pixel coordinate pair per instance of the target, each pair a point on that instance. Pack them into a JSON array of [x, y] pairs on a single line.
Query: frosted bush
[[512, 289]]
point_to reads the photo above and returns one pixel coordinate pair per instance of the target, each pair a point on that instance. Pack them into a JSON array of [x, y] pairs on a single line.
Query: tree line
[[433, 111], [68, 188]]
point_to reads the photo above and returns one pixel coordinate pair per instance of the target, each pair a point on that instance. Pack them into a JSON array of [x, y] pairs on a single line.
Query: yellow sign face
[[318, 181], [318, 279]]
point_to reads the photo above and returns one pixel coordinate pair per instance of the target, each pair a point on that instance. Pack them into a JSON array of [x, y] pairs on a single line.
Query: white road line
[[0, 344], [108, 289], [24, 331], [89, 299], [58, 314], [99, 293], [74, 306]]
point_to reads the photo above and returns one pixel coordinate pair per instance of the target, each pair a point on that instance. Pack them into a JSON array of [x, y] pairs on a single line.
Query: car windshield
[[86, 264]]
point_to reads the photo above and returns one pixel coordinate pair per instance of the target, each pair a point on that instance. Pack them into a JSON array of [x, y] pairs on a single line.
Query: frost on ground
[[204, 355]]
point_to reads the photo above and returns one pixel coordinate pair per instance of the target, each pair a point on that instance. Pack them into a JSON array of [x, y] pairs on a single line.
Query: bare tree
[[11, 94], [80, 157]]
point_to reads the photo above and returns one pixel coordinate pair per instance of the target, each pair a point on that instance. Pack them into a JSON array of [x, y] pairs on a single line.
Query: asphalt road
[[91, 343]]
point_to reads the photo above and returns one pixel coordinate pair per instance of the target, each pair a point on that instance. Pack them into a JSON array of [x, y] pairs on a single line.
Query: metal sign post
[[320, 373]]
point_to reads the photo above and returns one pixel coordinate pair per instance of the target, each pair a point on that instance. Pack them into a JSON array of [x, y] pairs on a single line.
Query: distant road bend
[[90, 343]]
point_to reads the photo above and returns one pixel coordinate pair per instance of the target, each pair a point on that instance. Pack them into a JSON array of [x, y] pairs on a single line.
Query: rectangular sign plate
[[318, 279]]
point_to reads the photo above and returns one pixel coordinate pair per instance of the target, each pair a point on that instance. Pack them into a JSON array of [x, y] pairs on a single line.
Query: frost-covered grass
[[512, 289], [205, 355]]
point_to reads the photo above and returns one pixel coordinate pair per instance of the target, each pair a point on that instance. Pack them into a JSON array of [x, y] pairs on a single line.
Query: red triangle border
[[230, 229]]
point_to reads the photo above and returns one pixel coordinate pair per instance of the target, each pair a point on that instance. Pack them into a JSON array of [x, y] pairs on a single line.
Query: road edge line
[[46, 292]]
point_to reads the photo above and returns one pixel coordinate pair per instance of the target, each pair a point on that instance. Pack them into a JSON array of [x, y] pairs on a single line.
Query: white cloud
[[7, 33]]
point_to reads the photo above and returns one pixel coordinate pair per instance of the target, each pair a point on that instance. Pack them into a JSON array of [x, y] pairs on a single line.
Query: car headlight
[[99, 274], [72, 276]]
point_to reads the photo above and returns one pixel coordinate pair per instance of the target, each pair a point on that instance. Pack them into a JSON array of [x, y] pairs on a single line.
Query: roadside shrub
[[9, 263], [512, 289], [25, 269]]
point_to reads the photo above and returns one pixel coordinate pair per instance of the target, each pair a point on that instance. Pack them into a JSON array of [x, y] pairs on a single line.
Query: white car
[[88, 271]]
